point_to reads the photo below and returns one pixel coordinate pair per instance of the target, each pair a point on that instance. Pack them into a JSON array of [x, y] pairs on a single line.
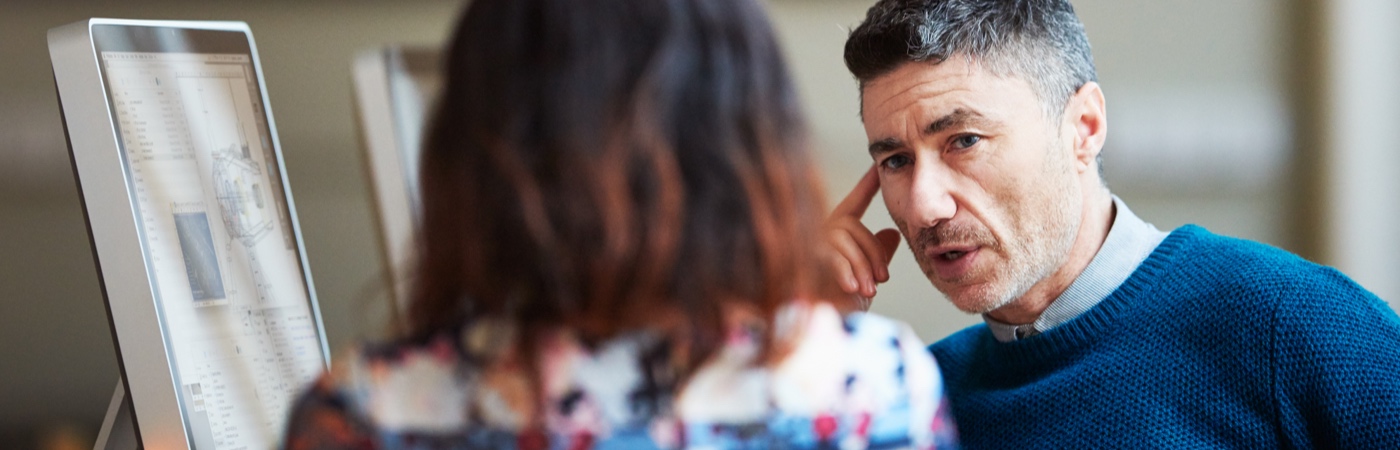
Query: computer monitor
[[193, 227], [395, 87]]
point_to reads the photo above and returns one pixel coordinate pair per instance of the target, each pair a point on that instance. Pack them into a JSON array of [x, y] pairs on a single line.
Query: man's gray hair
[[1041, 41]]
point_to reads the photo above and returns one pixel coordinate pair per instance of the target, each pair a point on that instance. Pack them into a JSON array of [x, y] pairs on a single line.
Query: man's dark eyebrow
[[957, 117], [884, 145]]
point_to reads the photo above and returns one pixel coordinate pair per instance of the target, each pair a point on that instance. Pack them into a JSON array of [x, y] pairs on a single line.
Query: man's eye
[[895, 162], [966, 141]]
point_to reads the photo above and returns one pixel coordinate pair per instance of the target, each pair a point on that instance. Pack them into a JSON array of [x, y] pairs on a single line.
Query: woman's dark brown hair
[[608, 166]]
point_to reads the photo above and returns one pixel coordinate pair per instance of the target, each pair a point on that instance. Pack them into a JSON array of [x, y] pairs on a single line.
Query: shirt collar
[[1129, 242]]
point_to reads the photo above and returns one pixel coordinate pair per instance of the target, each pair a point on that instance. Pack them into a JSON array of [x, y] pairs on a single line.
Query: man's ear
[[1088, 116]]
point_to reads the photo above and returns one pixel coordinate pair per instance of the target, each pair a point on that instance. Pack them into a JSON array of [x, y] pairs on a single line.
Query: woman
[[619, 249]]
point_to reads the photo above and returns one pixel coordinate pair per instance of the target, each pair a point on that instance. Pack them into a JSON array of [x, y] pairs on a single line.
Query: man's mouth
[[952, 252], [953, 255], [950, 262]]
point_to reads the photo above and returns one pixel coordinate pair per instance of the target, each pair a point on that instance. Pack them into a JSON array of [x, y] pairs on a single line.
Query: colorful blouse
[[855, 382]]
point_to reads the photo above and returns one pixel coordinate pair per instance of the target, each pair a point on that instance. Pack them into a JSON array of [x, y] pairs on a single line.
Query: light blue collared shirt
[[1130, 241]]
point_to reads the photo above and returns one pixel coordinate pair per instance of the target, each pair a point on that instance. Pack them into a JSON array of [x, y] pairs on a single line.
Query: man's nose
[[932, 199]]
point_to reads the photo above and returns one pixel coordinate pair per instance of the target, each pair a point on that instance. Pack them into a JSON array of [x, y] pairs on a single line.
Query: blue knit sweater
[[1213, 342]]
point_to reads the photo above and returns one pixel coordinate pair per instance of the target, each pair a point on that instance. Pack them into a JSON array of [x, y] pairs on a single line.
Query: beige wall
[[1199, 133], [1360, 106]]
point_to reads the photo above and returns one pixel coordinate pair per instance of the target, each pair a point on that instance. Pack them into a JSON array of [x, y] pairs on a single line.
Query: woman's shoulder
[[824, 358], [842, 377]]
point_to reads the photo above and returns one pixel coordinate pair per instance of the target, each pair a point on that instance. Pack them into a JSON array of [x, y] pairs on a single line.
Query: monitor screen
[[216, 230]]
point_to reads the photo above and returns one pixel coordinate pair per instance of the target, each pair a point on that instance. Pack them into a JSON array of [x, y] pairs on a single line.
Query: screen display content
[[216, 229]]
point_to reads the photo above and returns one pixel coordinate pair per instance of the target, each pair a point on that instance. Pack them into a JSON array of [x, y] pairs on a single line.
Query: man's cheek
[[894, 200]]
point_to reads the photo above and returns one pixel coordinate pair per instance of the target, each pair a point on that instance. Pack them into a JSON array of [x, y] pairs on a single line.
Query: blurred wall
[[1200, 132], [1354, 145]]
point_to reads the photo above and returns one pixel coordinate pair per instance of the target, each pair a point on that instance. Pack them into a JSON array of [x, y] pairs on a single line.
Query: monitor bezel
[[111, 214]]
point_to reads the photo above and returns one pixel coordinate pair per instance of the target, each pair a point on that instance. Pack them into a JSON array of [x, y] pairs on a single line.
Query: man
[[985, 125]]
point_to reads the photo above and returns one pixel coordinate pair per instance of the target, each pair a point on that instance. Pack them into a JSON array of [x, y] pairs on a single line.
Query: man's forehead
[[933, 90], [915, 80]]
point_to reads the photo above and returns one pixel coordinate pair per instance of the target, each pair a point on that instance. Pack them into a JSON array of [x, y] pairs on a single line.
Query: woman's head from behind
[[606, 166]]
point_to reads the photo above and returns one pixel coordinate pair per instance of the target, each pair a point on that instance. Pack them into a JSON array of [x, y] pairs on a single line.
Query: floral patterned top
[[855, 382]]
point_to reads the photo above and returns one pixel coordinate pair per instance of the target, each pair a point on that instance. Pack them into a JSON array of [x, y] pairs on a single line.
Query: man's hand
[[861, 259]]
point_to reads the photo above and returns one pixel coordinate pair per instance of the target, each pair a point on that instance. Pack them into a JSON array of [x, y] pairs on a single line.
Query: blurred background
[[1272, 120]]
